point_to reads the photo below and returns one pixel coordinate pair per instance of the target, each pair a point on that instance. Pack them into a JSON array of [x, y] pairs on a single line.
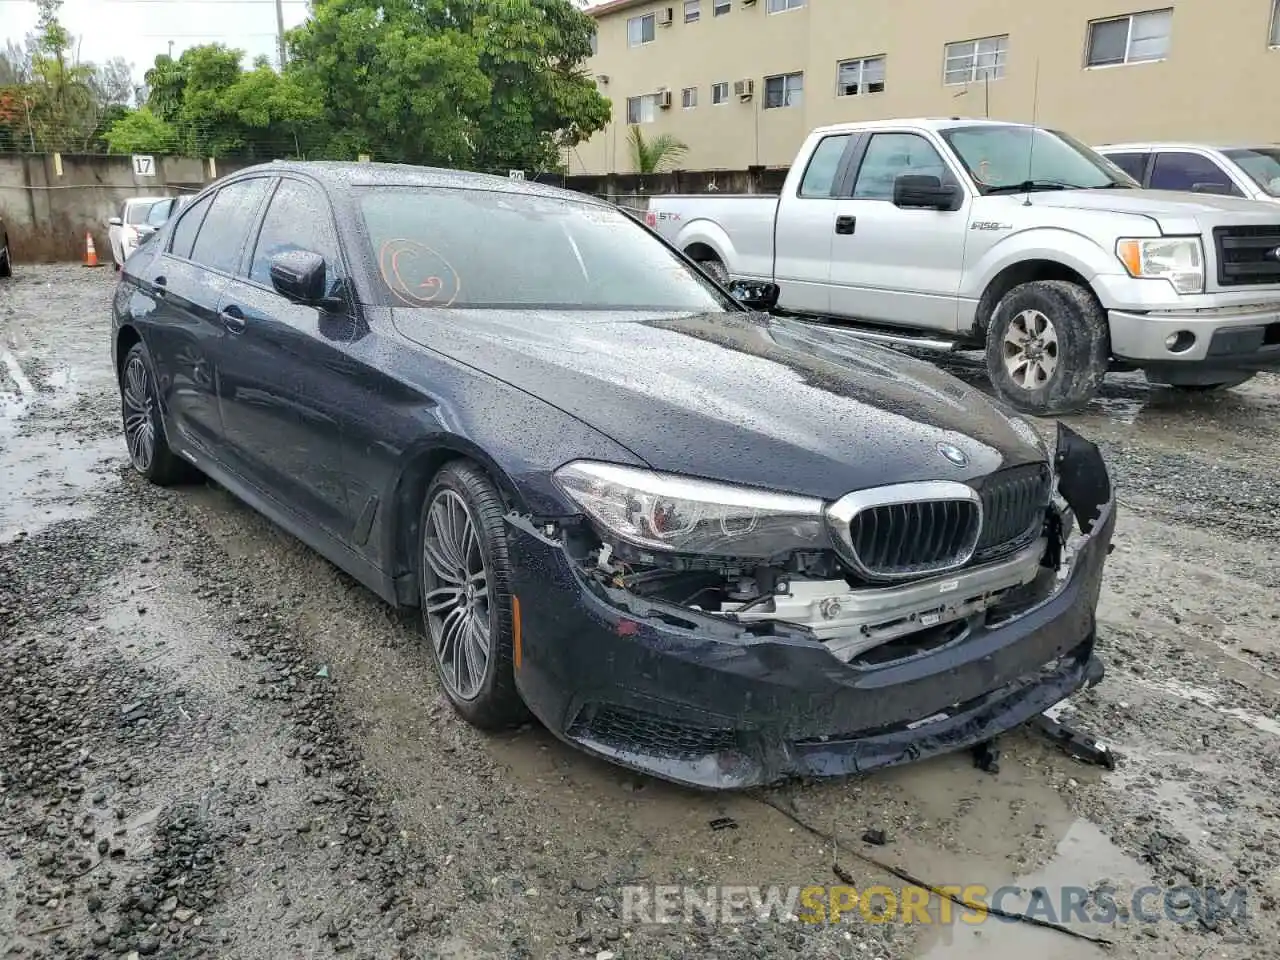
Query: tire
[[462, 535], [140, 412], [718, 271], [6, 260], [1072, 334]]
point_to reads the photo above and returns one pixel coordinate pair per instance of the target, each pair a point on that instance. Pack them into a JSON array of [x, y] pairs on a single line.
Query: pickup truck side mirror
[[924, 192], [115, 222], [755, 294]]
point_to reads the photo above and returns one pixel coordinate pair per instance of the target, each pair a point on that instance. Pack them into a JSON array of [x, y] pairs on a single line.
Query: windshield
[[486, 248], [159, 213], [1002, 158], [1262, 164], [136, 213]]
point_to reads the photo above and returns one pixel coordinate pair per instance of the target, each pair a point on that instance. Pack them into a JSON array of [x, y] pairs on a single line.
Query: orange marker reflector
[[517, 651]]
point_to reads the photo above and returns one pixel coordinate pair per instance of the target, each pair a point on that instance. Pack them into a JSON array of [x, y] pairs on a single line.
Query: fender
[[1055, 244], [708, 232]]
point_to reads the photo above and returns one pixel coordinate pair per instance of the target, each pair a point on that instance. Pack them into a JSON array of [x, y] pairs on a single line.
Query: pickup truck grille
[[1248, 255], [917, 538], [1013, 505]]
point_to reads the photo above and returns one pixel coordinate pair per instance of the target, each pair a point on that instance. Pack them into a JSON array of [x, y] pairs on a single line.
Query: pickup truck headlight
[[1180, 260], [675, 514]]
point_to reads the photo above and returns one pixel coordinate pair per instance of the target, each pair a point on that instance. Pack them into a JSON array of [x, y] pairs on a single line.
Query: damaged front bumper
[[699, 700]]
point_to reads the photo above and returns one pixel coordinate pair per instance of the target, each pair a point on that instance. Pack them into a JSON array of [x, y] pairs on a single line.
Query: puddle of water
[[1084, 857]]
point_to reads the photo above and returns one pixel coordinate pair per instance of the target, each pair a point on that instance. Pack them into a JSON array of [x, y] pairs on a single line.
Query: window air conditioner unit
[[666, 17], [744, 89], [664, 99]]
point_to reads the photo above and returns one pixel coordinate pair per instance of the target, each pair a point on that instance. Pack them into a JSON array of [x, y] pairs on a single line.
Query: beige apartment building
[[741, 82]]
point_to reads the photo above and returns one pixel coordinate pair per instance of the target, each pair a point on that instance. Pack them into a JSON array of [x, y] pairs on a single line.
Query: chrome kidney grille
[[914, 530]]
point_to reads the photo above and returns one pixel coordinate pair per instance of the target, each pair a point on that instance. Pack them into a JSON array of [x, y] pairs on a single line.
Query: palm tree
[[652, 156]]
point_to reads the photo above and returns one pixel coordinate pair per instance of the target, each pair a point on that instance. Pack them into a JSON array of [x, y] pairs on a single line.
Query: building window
[[782, 6], [720, 92], [784, 91], [1275, 23], [975, 60], [720, 7], [689, 97], [640, 30], [857, 77], [1137, 38], [692, 11], [595, 43], [642, 109]]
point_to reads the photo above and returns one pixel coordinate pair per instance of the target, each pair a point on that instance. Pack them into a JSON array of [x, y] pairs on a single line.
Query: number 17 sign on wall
[[143, 165]]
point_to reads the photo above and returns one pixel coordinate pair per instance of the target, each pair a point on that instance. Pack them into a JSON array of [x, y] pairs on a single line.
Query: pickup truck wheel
[[1047, 347], [719, 272]]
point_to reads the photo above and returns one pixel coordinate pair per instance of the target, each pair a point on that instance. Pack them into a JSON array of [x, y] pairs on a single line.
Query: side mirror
[[1221, 189], [299, 275], [115, 222], [924, 192], [755, 294]]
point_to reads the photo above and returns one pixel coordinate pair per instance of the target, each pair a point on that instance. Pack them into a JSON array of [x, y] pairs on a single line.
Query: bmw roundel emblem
[[953, 454]]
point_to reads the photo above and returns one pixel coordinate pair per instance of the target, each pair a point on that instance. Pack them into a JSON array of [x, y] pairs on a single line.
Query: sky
[[139, 29]]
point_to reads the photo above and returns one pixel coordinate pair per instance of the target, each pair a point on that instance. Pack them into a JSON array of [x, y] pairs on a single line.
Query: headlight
[[662, 511], [1180, 260]]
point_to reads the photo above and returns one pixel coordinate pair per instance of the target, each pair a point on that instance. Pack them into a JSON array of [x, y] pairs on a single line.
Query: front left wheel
[[149, 452], [467, 604], [6, 260]]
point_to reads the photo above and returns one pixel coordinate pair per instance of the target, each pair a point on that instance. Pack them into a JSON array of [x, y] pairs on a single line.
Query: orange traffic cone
[[90, 251]]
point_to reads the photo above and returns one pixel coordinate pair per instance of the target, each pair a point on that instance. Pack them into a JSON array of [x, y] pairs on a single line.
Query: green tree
[[205, 104], [488, 84], [141, 131], [656, 154]]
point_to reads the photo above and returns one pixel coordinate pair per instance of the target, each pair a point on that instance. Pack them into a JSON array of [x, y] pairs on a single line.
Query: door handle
[[232, 319], [845, 225]]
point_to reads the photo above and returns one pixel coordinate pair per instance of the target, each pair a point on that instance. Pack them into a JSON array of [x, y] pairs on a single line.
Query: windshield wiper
[[1028, 185]]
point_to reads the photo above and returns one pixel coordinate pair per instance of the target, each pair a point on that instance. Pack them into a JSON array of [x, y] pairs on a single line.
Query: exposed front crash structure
[[920, 618]]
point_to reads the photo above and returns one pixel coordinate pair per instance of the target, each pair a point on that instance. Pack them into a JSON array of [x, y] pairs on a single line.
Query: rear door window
[[1134, 164], [220, 242], [184, 232], [824, 165], [1178, 170]]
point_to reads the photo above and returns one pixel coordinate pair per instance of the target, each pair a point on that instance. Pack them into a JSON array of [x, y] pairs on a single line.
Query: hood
[[741, 398], [1176, 212]]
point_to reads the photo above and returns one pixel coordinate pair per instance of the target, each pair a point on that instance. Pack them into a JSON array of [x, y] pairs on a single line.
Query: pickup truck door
[[892, 265], [803, 228]]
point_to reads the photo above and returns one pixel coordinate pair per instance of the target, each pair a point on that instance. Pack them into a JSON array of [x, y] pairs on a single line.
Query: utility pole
[[280, 32]]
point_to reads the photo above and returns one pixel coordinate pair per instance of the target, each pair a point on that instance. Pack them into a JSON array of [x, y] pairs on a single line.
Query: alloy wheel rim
[[1031, 349], [139, 423], [457, 598]]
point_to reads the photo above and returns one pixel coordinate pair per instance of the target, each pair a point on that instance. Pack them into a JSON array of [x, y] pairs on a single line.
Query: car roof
[[338, 174], [1178, 145]]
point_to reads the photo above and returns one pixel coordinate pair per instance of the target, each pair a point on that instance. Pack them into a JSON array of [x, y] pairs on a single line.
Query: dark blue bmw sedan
[[709, 543]]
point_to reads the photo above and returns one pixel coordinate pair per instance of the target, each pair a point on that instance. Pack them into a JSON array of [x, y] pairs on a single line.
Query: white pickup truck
[[1013, 238]]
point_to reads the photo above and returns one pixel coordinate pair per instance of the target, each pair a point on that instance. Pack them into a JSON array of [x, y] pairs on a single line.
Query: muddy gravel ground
[[213, 743]]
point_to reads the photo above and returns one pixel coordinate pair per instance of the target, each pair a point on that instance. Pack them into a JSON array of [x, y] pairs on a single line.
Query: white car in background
[[123, 232], [1252, 172]]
